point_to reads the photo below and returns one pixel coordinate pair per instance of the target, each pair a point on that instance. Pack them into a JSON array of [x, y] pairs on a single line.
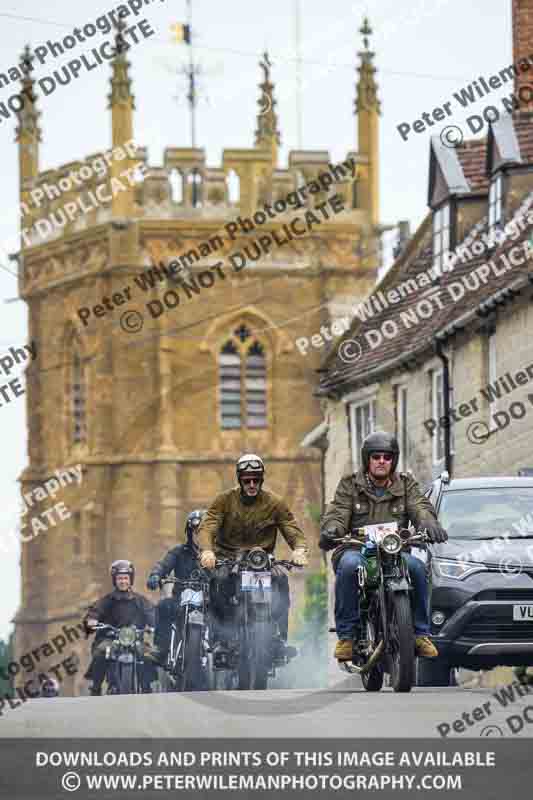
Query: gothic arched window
[[78, 401], [242, 380]]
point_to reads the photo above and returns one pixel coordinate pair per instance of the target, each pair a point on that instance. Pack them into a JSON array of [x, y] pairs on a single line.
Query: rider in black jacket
[[121, 607], [181, 560]]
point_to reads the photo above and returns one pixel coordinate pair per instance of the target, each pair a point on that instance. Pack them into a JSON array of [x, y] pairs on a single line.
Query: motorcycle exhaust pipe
[[353, 669]]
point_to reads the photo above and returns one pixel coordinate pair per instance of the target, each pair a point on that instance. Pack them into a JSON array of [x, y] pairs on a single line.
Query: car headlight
[[391, 543], [459, 570], [127, 636]]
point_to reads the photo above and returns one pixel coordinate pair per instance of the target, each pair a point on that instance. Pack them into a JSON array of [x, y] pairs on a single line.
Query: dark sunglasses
[[381, 456], [250, 480]]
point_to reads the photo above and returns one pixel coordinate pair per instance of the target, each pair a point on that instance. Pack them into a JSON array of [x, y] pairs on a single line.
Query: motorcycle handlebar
[[418, 538], [232, 562], [101, 626]]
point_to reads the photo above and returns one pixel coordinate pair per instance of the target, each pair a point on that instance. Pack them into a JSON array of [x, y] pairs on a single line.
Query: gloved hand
[[299, 558], [436, 533], [208, 559], [327, 535], [153, 581]]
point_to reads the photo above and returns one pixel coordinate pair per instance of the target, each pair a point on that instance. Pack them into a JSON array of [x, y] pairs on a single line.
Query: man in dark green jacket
[[249, 516], [377, 493]]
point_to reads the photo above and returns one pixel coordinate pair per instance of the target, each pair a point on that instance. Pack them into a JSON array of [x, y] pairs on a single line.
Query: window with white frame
[[495, 202], [401, 427], [441, 236], [362, 422]]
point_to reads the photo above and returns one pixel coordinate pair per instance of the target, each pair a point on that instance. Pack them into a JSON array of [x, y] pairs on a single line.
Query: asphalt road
[[341, 711]]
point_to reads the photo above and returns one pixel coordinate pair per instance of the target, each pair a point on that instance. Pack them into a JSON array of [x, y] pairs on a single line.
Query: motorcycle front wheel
[[254, 662], [187, 680], [373, 679], [402, 643], [125, 678]]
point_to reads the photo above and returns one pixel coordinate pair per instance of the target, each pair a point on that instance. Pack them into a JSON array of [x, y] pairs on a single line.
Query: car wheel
[[434, 672]]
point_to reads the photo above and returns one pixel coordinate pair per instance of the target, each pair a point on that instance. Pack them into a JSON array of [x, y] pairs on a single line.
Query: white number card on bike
[[376, 532], [251, 581]]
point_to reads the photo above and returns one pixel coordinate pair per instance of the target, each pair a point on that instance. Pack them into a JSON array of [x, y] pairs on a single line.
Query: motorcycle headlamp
[[391, 543], [258, 559], [127, 636]]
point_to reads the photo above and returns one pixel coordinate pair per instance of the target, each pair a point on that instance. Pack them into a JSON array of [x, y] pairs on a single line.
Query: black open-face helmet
[[380, 442], [194, 520], [122, 567]]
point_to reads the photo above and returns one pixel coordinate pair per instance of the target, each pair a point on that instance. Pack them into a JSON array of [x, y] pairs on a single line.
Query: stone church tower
[[158, 417]]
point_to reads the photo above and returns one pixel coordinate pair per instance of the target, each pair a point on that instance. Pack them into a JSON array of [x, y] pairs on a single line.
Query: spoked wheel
[[254, 658], [373, 679], [187, 680], [260, 662], [402, 643], [126, 678]]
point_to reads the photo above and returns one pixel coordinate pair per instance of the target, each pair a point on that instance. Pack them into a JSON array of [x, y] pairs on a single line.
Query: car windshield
[[487, 513]]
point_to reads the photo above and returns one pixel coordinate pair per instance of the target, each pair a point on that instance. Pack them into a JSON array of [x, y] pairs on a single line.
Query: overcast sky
[[425, 51]]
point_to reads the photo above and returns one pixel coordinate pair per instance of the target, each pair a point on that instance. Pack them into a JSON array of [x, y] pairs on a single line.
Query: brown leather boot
[[424, 647], [344, 650]]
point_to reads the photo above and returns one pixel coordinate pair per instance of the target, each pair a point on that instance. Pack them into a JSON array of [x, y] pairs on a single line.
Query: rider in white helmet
[[249, 516]]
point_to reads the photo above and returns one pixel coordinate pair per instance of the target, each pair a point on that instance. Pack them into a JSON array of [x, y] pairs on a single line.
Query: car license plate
[[523, 612], [252, 581]]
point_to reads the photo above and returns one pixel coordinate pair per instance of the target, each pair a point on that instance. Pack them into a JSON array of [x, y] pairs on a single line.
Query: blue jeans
[[347, 594]]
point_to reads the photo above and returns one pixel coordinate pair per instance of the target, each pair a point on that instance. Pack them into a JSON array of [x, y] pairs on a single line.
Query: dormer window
[[495, 202], [441, 236]]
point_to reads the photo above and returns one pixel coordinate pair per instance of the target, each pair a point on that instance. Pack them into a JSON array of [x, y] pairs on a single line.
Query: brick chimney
[[522, 49]]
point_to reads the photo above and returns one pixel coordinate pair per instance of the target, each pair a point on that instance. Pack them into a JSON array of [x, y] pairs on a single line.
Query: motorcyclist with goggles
[[120, 607], [181, 561], [244, 517], [374, 494]]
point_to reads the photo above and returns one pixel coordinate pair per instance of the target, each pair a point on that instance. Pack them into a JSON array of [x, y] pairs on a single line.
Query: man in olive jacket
[[249, 516], [376, 493]]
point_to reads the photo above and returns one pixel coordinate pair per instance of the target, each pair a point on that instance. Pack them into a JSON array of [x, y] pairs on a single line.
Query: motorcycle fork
[[183, 642]]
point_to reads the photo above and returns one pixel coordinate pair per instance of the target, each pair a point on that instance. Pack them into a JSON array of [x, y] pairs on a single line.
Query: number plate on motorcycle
[[254, 581], [191, 597], [376, 532]]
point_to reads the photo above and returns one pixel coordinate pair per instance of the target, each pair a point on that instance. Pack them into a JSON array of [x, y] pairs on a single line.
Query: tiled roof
[[414, 338], [472, 157]]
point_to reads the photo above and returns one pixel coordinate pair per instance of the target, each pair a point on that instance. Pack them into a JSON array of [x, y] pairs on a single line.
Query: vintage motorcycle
[[125, 654], [385, 591], [255, 648], [187, 660]]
